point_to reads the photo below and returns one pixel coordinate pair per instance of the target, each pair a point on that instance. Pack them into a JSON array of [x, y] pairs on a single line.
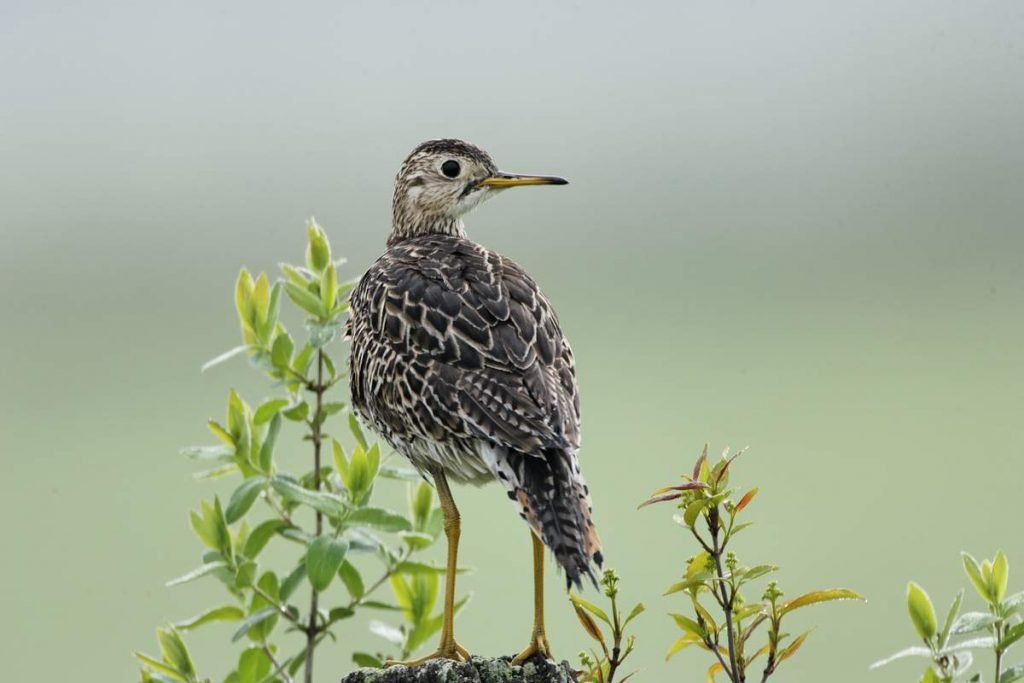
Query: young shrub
[[602, 667], [324, 513], [950, 650], [721, 619]]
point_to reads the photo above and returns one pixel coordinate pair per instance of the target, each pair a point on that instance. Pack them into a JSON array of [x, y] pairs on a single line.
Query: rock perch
[[476, 670]]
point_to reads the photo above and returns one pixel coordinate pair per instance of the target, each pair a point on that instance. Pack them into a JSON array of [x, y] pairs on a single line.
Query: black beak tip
[[559, 181]]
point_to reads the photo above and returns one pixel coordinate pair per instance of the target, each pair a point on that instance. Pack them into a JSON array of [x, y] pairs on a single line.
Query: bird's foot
[[447, 650], [538, 645]]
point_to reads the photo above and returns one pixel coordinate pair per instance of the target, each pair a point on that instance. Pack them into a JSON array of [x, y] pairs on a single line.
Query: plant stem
[[713, 524], [613, 661], [278, 667], [999, 654], [312, 630]]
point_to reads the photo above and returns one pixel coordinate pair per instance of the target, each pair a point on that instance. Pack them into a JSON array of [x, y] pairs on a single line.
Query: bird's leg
[[448, 648], [539, 639]]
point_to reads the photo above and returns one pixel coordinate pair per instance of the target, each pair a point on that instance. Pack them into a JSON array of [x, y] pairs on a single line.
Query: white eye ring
[[451, 169]]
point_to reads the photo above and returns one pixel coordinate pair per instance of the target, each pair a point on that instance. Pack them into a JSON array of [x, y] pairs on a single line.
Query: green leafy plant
[[715, 577], [602, 667], [950, 649], [324, 510]]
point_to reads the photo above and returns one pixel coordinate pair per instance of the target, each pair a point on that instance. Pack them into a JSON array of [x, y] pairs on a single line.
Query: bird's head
[[443, 179]]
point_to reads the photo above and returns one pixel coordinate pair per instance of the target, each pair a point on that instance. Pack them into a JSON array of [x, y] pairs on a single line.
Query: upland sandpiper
[[459, 362]]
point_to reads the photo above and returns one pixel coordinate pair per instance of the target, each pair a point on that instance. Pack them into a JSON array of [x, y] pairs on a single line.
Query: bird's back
[[459, 362]]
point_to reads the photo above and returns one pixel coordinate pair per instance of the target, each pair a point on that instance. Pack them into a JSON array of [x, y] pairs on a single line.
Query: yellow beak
[[502, 180]]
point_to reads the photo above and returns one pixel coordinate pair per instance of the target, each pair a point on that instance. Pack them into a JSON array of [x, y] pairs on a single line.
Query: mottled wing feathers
[[464, 339]]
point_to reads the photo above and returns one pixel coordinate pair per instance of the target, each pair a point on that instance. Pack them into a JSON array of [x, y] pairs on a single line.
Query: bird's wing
[[476, 344]]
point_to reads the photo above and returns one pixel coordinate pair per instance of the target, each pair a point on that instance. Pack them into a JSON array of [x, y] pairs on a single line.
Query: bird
[[458, 361]]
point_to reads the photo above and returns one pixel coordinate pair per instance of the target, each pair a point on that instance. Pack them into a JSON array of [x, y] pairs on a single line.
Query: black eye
[[451, 168]]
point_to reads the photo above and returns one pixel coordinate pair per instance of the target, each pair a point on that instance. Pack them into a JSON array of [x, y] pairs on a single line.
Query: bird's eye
[[451, 168]]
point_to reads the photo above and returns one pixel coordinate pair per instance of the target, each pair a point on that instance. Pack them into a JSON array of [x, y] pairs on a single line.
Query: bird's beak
[[502, 180]]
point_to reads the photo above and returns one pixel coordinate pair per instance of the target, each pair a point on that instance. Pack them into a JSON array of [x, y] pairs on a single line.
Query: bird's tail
[[553, 498]]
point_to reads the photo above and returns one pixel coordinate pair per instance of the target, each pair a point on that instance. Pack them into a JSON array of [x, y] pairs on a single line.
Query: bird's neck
[[406, 224]]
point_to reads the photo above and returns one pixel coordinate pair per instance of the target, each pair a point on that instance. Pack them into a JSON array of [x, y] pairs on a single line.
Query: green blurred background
[[794, 226]]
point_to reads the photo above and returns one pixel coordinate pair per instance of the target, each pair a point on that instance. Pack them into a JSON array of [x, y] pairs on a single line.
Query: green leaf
[[381, 519], [416, 540], [260, 536], [413, 568], [269, 409], [367, 660], [404, 473], [196, 573], [327, 503], [156, 665], [281, 352], [688, 625], [209, 454], [684, 585], [222, 613], [339, 613], [1014, 603], [1000, 576], [791, 649], [973, 572], [304, 299], [318, 250], [268, 597], [322, 334], [1014, 673], [332, 407], [227, 355], [254, 619], [951, 615], [244, 496], [294, 275], [323, 559], [352, 579], [590, 607], [298, 412], [819, 596], [216, 472], [267, 449], [329, 287], [915, 651], [758, 571], [693, 511], [301, 362], [681, 644], [293, 580], [1012, 635], [922, 613], [221, 433], [634, 613], [174, 651], [972, 622], [357, 431], [253, 665]]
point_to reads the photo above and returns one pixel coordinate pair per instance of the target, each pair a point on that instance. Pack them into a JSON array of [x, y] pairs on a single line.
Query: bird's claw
[[538, 645], [451, 650]]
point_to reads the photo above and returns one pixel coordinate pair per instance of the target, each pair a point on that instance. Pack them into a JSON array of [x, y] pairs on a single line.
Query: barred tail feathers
[[551, 495]]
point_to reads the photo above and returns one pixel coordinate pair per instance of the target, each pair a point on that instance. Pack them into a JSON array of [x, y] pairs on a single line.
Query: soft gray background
[[790, 225]]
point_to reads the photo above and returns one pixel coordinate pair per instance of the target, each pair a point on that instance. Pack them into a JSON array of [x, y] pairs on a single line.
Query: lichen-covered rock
[[476, 670]]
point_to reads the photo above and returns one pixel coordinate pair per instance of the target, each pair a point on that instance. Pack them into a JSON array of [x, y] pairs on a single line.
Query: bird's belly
[[460, 459]]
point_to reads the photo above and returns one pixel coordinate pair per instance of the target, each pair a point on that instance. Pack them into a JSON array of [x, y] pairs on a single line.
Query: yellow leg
[[448, 648], [539, 639]]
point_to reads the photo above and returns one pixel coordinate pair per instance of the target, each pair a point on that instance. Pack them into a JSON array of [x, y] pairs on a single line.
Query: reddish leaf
[[671, 495], [700, 461], [745, 500]]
